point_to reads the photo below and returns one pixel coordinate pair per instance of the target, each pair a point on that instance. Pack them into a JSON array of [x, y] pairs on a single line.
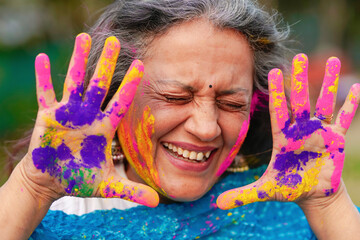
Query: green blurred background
[[321, 29]]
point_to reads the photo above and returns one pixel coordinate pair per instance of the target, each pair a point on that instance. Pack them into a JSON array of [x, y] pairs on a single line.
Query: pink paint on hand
[[235, 149], [277, 97], [347, 115], [81, 52], [335, 144], [126, 92], [299, 86], [43, 74], [325, 103]]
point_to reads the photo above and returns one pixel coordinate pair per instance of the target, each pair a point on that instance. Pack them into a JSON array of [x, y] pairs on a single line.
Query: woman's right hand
[[70, 149]]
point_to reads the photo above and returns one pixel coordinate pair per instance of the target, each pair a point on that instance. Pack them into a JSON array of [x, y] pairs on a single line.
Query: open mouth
[[187, 155]]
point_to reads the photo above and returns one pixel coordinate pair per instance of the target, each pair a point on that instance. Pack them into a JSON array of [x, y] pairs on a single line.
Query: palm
[[71, 142], [308, 153]]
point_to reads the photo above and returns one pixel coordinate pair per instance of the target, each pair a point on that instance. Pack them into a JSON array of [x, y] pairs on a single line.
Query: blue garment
[[198, 219]]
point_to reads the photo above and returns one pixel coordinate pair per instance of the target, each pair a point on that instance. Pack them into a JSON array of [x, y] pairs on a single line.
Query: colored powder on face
[[235, 149], [92, 152], [137, 147], [77, 113]]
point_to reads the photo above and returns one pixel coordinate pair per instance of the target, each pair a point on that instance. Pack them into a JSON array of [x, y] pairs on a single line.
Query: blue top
[[193, 220]]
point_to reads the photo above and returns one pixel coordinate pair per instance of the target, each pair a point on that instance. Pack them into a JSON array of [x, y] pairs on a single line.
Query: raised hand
[[308, 153], [70, 150]]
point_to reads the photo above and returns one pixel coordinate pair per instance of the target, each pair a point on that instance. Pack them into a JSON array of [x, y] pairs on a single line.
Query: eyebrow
[[177, 83], [192, 89]]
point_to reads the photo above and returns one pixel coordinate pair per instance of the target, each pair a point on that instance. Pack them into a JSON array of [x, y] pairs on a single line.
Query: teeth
[[200, 156], [192, 155], [186, 154], [180, 151]]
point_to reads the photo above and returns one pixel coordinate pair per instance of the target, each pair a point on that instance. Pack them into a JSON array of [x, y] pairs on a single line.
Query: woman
[[205, 80]]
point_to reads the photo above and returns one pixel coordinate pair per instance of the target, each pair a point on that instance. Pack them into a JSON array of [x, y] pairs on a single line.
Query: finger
[[326, 101], [300, 103], [101, 79], [75, 76], [123, 97], [278, 108], [122, 188], [347, 111], [245, 195], [44, 88]]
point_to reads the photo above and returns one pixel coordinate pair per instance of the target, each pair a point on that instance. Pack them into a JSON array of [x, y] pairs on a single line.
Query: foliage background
[[321, 28]]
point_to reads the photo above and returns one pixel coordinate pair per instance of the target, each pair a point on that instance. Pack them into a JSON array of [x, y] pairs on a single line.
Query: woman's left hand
[[308, 153]]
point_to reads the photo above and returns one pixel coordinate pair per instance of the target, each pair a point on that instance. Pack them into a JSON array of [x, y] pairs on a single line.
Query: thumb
[[258, 191], [118, 187]]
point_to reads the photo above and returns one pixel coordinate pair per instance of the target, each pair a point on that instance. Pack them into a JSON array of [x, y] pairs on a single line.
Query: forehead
[[198, 53]]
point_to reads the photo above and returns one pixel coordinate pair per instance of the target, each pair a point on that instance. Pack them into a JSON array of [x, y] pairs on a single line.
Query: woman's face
[[182, 129]]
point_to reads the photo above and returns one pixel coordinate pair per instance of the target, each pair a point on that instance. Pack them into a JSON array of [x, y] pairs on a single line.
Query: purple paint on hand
[[93, 151], [64, 152], [303, 127], [238, 203], [79, 113], [44, 159], [328, 192], [291, 160], [290, 180], [262, 194]]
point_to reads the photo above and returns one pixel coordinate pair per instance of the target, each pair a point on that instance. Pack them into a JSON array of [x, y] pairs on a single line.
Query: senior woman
[[178, 125]]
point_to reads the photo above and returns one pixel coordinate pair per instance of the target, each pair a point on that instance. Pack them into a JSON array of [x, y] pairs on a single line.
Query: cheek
[[135, 132]]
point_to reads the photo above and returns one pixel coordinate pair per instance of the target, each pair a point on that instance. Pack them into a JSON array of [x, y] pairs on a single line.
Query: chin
[[186, 192]]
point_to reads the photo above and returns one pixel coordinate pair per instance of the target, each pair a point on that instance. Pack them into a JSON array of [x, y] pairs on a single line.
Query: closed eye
[[177, 99], [231, 106]]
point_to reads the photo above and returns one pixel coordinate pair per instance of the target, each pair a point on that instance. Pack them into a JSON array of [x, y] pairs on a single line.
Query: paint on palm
[[68, 151], [295, 167]]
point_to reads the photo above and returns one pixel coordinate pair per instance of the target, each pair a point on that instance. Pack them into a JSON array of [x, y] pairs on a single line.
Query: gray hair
[[137, 22]]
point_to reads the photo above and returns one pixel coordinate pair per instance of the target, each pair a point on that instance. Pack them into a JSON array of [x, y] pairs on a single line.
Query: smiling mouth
[[187, 155]]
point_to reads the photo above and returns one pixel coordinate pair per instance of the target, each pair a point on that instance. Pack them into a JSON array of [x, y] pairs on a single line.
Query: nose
[[203, 123]]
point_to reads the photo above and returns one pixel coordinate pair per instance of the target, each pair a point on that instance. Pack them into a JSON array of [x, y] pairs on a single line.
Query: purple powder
[[93, 151], [44, 159], [238, 203], [303, 127], [70, 186], [291, 160], [329, 192], [79, 113], [290, 180], [67, 174], [64, 152], [262, 194]]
